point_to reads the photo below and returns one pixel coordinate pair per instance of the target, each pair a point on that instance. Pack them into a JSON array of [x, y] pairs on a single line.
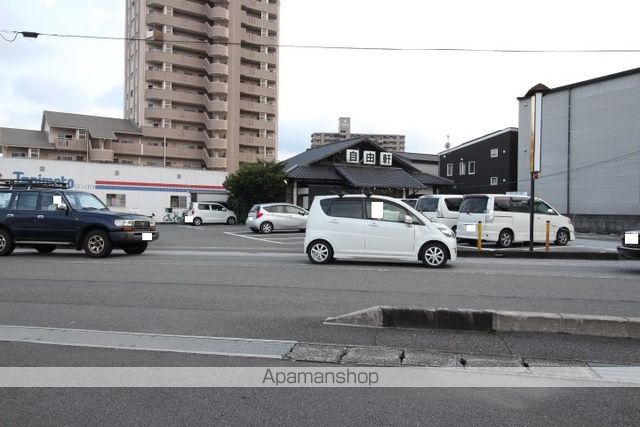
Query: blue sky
[[424, 95]]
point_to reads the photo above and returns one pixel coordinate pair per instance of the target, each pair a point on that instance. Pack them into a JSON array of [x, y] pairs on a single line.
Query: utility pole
[[535, 151]]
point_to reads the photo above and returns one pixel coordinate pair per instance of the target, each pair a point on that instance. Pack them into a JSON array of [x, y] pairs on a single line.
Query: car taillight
[[259, 214]]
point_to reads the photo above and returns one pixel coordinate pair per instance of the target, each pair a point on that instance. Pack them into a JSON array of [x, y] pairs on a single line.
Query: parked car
[[505, 220], [45, 216], [200, 213], [410, 202], [441, 208], [268, 217], [630, 248], [374, 227]]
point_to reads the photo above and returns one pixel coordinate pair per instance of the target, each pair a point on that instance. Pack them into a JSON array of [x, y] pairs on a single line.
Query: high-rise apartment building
[[202, 76], [386, 141]]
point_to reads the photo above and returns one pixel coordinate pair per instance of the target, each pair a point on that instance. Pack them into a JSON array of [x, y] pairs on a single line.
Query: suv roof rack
[[31, 183]]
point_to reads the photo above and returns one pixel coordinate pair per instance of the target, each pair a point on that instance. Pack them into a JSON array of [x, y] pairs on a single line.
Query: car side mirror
[[224, 209], [551, 211], [408, 219], [62, 207]]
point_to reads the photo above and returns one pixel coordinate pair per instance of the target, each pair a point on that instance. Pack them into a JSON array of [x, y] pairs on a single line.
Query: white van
[[505, 220], [374, 227], [442, 208]]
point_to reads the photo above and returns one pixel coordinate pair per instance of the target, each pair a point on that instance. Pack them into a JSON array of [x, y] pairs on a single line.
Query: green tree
[[261, 182]]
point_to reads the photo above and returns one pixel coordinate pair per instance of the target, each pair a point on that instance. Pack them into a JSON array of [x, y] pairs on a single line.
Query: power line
[[32, 34]]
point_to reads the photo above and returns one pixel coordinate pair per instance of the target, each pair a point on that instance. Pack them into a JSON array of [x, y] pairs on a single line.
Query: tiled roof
[[24, 138], [378, 177], [98, 127], [420, 157], [315, 172], [315, 154]]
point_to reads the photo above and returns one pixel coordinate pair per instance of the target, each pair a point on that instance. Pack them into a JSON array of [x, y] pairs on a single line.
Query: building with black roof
[[353, 166]]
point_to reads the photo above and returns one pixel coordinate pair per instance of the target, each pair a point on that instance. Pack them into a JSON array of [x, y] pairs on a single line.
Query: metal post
[[546, 239], [479, 242], [531, 206]]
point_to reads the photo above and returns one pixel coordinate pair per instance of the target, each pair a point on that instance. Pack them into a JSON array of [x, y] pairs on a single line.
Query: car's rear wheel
[[505, 239], [231, 220], [434, 255], [97, 244], [562, 238], [6, 243], [135, 248], [197, 221], [320, 252], [266, 227], [46, 249]]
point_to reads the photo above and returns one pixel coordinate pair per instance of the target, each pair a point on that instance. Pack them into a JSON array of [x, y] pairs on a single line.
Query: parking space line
[[253, 238]]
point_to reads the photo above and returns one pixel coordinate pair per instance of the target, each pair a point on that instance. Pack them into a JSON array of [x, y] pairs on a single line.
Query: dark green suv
[[46, 216]]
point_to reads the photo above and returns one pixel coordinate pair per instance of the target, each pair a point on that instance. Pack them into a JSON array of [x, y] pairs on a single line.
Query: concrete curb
[[505, 253], [491, 321]]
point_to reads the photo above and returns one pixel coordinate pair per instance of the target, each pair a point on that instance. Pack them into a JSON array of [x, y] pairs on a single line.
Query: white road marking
[[252, 238]]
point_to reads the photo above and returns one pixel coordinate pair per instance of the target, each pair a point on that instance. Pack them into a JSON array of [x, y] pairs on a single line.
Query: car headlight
[[152, 223], [445, 230], [123, 223]]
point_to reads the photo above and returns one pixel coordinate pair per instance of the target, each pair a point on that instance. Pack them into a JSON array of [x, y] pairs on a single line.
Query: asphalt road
[[228, 282]]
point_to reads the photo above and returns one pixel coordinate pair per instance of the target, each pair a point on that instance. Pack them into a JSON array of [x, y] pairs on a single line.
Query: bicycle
[[171, 217]]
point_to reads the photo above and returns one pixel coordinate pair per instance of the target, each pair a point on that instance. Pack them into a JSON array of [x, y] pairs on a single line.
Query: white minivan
[[442, 208], [374, 227], [505, 220]]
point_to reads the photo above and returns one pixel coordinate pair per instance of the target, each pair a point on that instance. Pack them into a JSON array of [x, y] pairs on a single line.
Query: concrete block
[[407, 317], [480, 361], [634, 327], [602, 326], [430, 358], [374, 356], [523, 321], [367, 317], [317, 353]]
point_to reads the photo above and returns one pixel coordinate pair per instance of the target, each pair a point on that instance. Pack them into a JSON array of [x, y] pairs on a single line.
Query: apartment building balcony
[[217, 12], [261, 6], [127, 148], [270, 58], [180, 5], [154, 56], [172, 133], [271, 25], [215, 124], [153, 150], [100, 155], [253, 157], [218, 87], [217, 68], [174, 96], [174, 114], [257, 124], [211, 105], [181, 152], [192, 45], [216, 31], [170, 76], [71, 145], [217, 50], [174, 21], [214, 162], [215, 143], [257, 73], [245, 36], [258, 107], [258, 90], [254, 141]]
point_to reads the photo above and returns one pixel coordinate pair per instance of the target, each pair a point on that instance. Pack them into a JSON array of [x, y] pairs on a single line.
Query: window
[[178, 201], [494, 153], [346, 208], [50, 201], [275, 209], [216, 208], [385, 211], [519, 205], [453, 204], [474, 205], [293, 210], [35, 153], [543, 208], [494, 180], [5, 198], [26, 201], [116, 200], [502, 204], [472, 168], [462, 168], [427, 204], [450, 169]]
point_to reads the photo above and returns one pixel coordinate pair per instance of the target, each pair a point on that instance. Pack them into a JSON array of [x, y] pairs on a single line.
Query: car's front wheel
[[97, 244], [6, 243], [197, 222], [320, 252], [505, 239], [46, 249], [562, 238], [231, 220], [135, 248], [434, 255]]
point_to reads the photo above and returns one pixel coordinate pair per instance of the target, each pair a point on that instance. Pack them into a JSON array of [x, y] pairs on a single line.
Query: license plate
[[631, 238], [470, 227], [147, 236]]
